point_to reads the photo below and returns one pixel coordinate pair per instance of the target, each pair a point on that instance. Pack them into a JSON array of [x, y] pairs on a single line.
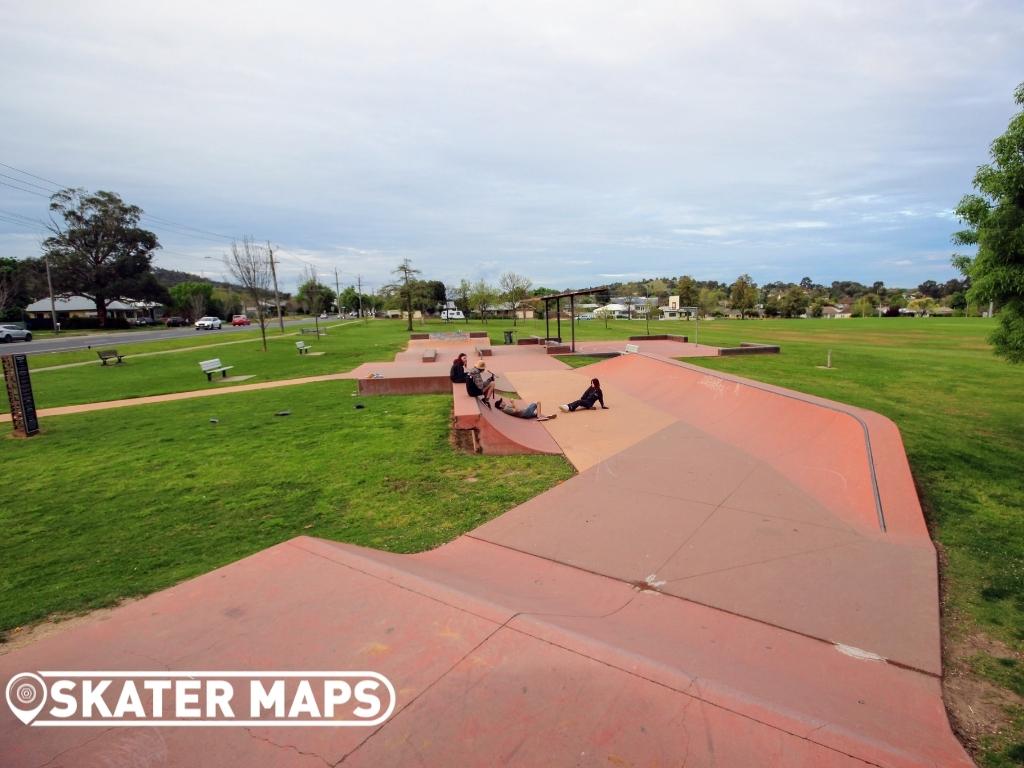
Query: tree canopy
[[98, 250], [994, 219]]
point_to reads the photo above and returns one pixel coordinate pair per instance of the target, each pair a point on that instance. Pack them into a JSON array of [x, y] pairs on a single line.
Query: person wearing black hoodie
[[587, 399]]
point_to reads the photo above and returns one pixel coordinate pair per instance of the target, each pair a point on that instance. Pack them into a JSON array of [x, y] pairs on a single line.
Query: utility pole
[[337, 292], [53, 304], [277, 297], [359, 293]]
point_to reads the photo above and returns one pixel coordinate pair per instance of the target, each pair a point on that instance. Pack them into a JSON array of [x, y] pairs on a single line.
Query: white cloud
[[596, 136]]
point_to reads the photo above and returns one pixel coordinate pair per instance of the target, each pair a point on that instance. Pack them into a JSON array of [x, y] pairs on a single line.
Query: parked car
[[175, 322], [9, 333], [241, 320], [209, 323], [585, 317], [139, 321]]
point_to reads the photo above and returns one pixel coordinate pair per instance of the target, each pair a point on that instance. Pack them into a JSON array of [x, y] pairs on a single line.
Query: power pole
[[277, 297], [359, 293], [53, 304], [337, 292]]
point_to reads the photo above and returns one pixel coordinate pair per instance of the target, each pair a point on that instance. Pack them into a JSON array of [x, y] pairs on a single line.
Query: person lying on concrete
[[587, 399], [479, 386], [458, 371], [529, 411]]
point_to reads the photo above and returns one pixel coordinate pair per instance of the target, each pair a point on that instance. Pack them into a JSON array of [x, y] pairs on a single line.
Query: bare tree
[[514, 289], [249, 264]]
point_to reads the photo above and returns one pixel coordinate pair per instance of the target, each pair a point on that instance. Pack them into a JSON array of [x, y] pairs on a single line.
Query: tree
[[995, 224], [314, 296], [192, 297], [817, 308], [689, 293], [743, 294], [250, 265], [708, 300], [793, 302], [514, 289], [923, 305], [863, 307], [16, 279], [98, 250], [481, 297], [406, 273], [462, 292]]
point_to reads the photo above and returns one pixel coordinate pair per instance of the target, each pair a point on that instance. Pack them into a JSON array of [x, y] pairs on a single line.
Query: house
[[83, 307], [524, 312], [835, 312], [674, 311]]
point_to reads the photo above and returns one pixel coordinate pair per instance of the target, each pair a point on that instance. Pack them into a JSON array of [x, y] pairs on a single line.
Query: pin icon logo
[[26, 696]]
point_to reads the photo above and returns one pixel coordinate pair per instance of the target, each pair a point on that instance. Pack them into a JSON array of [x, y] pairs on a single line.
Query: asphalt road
[[122, 338]]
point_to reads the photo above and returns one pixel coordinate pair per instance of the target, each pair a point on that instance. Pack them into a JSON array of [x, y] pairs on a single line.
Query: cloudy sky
[[574, 142]]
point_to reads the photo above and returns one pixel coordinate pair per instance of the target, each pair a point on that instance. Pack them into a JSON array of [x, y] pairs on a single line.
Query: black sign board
[[19, 392]]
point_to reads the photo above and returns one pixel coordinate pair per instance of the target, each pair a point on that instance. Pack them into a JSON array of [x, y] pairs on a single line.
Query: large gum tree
[[98, 250]]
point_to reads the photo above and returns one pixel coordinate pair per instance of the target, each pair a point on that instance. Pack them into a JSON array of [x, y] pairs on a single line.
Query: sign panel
[[19, 393]]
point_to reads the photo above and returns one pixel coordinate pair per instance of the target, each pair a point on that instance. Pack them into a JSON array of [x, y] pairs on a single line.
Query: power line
[[19, 170], [21, 189], [26, 183]]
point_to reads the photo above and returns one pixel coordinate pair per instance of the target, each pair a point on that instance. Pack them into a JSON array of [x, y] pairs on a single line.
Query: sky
[[576, 143]]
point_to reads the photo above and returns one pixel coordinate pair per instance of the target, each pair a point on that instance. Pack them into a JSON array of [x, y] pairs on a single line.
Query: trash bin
[[508, 337]]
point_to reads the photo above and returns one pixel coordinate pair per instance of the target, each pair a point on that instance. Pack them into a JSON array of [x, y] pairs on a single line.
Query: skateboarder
[[587, 399], [529, 411], [477, 385]]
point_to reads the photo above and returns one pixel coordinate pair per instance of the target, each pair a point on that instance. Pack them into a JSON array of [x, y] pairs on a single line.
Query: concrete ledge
[[415, 336], [661, 337], [528, 340], [558, 349], [408, 385], [478, 334], [748, 348]]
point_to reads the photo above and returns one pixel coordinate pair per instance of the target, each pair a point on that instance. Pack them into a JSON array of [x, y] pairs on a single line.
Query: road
[[118, 339]]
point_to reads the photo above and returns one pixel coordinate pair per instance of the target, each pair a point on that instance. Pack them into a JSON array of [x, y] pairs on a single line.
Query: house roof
[[79, 304]]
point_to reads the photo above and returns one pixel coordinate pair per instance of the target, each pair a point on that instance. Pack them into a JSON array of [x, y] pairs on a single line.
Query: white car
[[9, 333], [209, 323]]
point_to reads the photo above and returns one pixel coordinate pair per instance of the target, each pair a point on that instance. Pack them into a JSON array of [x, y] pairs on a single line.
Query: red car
[[240, 320]]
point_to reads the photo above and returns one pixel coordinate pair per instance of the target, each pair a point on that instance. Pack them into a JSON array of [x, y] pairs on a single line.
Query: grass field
[[92, 513], [109, 506]]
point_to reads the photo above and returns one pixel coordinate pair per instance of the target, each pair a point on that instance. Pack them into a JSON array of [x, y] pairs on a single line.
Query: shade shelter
[[556, 299]]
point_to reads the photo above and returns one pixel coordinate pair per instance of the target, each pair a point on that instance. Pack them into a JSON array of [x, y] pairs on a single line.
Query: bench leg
[[209, 377], [223, 374]]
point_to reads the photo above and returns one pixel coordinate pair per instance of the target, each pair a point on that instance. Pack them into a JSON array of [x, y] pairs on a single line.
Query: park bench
[[213, 366], [109, 354], [429, 355], [631, 349], [483, 352], [315, 331], [303, 347]]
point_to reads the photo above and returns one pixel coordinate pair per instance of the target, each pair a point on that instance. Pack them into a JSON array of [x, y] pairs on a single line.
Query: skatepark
[[738, 575]]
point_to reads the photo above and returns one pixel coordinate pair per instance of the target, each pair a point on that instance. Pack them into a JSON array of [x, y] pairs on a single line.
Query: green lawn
[[108, 505]]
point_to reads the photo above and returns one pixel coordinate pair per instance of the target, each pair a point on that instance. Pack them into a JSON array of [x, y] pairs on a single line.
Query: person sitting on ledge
[[530, 411], [587, 399], [458, 371], [477, 385]]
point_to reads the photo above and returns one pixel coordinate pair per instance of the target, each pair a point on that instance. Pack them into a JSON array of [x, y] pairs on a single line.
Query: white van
[[452, 314]]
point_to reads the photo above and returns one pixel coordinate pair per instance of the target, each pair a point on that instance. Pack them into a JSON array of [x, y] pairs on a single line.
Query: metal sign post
[[19, 393]]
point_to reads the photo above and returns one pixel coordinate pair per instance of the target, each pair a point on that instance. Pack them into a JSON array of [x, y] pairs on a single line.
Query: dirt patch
[[20, 637], [977, 707]]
